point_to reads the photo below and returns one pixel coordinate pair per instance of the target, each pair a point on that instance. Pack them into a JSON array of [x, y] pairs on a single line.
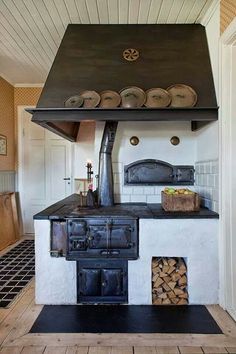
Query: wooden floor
[[16, 322]]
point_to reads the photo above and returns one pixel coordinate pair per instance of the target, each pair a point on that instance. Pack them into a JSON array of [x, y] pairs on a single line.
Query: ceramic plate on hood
[[109, 99], [157, 98], [132, 97], [91, 99], [182, 96]]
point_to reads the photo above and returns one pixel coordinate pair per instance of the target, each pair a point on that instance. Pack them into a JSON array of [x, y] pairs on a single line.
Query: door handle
[[66, 179]]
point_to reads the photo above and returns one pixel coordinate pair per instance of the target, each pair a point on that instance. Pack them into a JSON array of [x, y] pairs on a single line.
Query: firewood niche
[[169, 281]]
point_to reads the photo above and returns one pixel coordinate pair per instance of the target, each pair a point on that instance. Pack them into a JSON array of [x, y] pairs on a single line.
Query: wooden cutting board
[[9, 226]]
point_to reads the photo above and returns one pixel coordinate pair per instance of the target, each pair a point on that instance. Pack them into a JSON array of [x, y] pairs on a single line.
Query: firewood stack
[[169, 281]]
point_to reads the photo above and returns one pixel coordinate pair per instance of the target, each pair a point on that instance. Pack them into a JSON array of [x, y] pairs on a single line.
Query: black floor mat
[[125, 319], [16, 271]]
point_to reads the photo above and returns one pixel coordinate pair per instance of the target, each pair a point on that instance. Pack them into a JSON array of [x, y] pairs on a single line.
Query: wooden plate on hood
[[157, 98], [91, 99], [74, 101], [109, 99], [132, 97], [182, 96]]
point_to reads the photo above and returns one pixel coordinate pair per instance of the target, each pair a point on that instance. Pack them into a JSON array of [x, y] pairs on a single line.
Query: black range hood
[[90, 57]]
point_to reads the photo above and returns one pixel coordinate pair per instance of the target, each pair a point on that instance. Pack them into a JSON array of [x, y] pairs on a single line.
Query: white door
[[45, 169]]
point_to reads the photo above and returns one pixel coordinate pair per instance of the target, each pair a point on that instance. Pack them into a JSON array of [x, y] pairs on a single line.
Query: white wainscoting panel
[[7, 181]]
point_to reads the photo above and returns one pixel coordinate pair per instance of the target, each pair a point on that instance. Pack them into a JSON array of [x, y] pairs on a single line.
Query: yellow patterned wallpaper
[[227, 13], [7, 124], [26, 96]]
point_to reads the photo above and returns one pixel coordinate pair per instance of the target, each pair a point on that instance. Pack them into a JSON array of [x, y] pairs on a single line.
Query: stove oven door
[[109, 236]]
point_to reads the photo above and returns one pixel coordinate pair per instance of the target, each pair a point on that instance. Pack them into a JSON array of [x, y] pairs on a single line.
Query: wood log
[[175, 276], [174, 300], [155, 277], [165, 262], [181, 272], [165, 268], [158, 282], [183, 302], [162, 296], [178, 291], [172, 284], [166, 287], [157, 301], [171, 295], [171, 270], [181, 265], [171, 262], [167, 279], [182, 280], [163, 275], [166, 302], [159, 290]]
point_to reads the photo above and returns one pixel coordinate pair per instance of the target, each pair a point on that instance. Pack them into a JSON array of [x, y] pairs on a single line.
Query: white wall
[[83, 151], [154, 143], [207, 137]]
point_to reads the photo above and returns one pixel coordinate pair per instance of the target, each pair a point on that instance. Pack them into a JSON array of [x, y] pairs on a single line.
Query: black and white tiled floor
[[17, 268]]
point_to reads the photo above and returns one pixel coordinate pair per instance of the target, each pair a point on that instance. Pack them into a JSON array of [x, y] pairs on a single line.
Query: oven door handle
[[115, 253], [109, 229]]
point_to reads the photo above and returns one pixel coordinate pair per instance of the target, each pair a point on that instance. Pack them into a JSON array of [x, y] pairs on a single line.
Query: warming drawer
[[102, 237]]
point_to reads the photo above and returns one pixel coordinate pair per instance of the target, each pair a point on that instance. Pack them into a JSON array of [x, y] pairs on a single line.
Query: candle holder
[[89, 171]]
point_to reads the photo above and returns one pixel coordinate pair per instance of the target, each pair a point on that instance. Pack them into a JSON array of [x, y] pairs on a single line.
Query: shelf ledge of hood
[[195, 114], [120, 109], [66, 121]]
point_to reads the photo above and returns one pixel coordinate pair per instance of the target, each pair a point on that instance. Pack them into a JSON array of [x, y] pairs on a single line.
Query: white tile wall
[[207, 183]]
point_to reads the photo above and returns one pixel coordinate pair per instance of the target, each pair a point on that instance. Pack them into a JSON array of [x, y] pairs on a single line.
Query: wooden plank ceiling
[[31, 30]]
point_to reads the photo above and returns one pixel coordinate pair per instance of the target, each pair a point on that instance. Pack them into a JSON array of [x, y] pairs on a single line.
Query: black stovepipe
[[105, 185]]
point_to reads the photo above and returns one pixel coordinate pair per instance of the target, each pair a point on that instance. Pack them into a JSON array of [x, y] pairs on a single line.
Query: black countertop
[[68, 207]]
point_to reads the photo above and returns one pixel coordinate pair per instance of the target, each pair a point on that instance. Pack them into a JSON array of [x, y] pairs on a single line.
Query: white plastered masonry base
[[196, 240]]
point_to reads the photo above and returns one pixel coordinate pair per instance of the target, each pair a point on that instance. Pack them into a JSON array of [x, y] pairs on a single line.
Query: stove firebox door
[[90, 282], [112, 282], [102, 281]]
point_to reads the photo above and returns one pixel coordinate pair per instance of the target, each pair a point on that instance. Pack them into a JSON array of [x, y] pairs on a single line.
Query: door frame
[[227, 41], [20, 110]]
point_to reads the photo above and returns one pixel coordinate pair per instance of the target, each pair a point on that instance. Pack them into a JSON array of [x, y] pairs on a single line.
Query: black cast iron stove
[[102, 246]]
